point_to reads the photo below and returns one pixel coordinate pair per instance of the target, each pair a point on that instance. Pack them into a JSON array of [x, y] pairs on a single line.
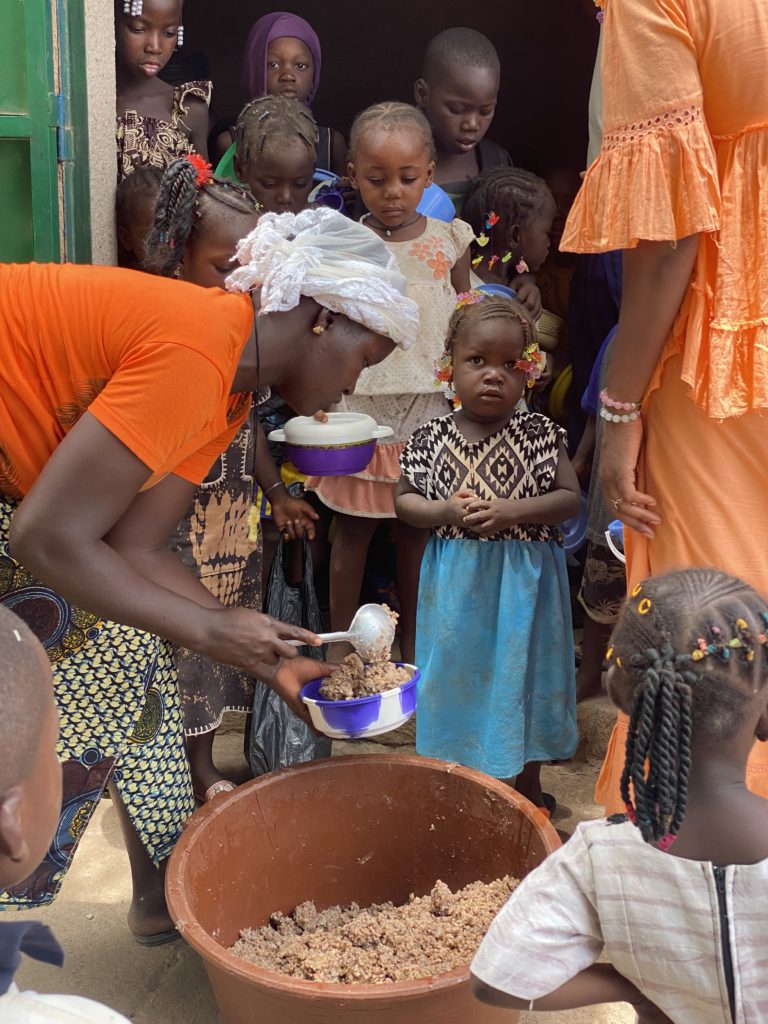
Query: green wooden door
[[43, 145]]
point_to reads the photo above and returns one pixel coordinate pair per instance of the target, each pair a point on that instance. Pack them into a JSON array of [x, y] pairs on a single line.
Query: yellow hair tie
[[636, 589], [644, 607]]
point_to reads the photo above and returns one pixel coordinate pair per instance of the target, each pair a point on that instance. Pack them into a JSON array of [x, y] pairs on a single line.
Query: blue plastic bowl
[[362, 716], [498, 289], [437, 203], [575, 529]]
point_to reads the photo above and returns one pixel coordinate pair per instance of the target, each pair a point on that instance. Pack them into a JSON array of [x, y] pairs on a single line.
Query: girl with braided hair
[[276, 142], [198, 223], [156, 123], [672, 892], [511, 212], [492, 484]]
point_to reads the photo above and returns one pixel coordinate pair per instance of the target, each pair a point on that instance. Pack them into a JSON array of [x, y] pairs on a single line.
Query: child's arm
[[600, 983], [562, 502], [197, 121], [291, 516], [416, 510], [460, 274], [528, 293], [583, 457]]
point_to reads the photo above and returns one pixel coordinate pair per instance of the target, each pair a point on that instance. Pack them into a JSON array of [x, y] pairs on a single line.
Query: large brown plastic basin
[[364, 829]]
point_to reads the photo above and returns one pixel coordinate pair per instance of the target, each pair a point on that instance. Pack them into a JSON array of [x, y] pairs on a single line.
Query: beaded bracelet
[[611, 403], [619, 417]]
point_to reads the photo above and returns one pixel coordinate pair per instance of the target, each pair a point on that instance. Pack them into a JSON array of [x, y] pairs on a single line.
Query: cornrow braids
[[269, 122], [489, 307], [515, 195], [182, 209], [693, 646], [391, 117]]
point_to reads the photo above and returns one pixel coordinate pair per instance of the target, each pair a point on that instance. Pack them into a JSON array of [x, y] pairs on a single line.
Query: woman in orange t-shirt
[[117, 392], [680, 184]]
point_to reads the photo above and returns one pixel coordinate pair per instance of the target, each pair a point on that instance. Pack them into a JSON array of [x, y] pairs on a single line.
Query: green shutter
[[30, 137]]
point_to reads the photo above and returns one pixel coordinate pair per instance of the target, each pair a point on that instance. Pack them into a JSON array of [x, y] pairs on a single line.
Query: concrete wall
[[100, 56]]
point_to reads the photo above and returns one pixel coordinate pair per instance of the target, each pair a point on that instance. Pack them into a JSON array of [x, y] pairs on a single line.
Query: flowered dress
[[493, 632], [152, 142], [401, 392]]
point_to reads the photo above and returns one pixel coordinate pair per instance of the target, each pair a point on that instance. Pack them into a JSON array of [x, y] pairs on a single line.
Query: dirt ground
[[168, 985]]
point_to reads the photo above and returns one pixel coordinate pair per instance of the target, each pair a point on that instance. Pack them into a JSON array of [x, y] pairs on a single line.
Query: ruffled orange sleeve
[[656, 176]]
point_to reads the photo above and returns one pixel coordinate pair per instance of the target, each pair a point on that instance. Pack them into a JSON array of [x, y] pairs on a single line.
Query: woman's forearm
[[168, 601], [656, 278], [600, 983]]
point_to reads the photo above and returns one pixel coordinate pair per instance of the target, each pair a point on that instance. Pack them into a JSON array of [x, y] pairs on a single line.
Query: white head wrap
[[335, 261]]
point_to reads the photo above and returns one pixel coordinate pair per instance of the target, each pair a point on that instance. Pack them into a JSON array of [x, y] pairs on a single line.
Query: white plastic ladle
[[372, 632]]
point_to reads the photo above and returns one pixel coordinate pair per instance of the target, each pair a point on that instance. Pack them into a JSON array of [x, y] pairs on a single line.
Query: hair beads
[[707, 683]]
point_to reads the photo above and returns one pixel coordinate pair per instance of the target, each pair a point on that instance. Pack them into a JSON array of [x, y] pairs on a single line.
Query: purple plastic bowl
[[363, 716], [341, 460]]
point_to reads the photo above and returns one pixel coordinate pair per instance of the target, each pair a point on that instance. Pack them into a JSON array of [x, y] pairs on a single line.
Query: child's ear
[[352, 174], [514, 236], [13, 845], [430, 173], [421, 93]]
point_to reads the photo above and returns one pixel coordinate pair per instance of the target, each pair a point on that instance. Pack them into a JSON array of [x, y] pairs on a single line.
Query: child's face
[[29, 815], [459, 105], [484, 375], [535, 240], [207, 257], [391, 170], [290, 69], [145, 43], [282, 181], [329, 365]]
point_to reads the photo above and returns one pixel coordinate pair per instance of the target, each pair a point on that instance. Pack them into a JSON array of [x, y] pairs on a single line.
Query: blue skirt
[[494, 643]]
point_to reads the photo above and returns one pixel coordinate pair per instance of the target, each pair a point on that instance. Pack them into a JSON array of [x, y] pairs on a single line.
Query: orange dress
[[685, 151]]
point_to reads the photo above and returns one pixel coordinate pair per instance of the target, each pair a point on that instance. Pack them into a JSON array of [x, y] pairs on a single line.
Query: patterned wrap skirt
[[495, 647], [120, 717]]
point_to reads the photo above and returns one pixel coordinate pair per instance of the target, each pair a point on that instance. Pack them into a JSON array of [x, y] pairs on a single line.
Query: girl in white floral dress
[[391, 164]]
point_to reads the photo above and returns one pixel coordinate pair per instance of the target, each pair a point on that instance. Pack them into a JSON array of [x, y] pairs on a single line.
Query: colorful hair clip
[[482, 240], [522, 267], [470, 298], [506, 257], [492, 220], [477, 260], [492, 262], [180, 36], [133, 7], [203, 168], [444, 375]]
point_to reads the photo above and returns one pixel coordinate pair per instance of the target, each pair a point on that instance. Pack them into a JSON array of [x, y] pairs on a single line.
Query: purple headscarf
[[273, 26]]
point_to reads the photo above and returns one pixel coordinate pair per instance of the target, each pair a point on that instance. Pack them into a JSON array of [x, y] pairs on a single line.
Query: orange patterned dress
[[685, 152]]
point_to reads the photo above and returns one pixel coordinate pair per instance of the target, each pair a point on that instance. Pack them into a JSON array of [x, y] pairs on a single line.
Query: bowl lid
[[341, 428]]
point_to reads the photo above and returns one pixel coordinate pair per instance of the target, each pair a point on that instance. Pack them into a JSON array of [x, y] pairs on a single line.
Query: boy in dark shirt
[[458, 91]]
